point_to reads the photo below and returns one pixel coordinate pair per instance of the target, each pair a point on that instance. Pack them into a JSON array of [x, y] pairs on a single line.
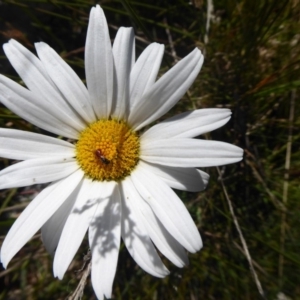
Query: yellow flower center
[[108, 150]]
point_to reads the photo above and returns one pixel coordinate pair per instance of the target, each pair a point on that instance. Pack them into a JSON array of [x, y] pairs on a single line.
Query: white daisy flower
[[112, 181]]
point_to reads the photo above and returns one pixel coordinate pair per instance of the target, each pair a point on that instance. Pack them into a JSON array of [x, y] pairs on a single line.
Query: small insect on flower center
[[100, 155], [108, 150]]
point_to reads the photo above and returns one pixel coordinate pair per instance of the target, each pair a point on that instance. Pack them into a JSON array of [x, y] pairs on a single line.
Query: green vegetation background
[[251, 66]]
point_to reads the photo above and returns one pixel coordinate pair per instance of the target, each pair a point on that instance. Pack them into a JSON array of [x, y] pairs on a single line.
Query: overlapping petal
[[76, 226], [30, 107], [144, 72], [40, 209], [136, 237], [186, 179], [167, 91], [162, 239], [52, 229], [33, 73], [66, 80], [168, 208]]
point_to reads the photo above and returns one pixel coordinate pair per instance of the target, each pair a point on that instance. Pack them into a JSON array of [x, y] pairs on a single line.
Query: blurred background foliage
[[251, 65]]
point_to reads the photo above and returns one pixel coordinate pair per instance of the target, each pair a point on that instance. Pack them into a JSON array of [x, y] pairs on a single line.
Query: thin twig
[[78, 293], [145, 41], [209, 15], [243, 241], [259, 267], [170, 39], [286, 186], [273, 198], [15, 207], [261, 121]]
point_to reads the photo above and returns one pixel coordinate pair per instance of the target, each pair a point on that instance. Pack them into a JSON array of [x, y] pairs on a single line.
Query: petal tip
[[162, 273], [96, 9], [4, 261], [5, 46]]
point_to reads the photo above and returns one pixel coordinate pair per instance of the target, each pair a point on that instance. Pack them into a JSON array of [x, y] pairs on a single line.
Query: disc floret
[[108, 150]]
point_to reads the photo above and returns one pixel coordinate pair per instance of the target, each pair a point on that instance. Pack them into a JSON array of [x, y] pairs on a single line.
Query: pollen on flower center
[[108, 150]]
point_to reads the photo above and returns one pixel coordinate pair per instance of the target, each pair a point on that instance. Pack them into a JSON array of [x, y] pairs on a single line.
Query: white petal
[[36, 214], [76, 226], [104, 239], [162, 239], [189, 152], [34, 110], [144, 72], [21, 145], [167, 91], [168, 208], [39, 170], [66, 80], [52, 229], [186, 179], [135, 235], [99, 63], [33, 73], [123, 50], [189, 124]]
